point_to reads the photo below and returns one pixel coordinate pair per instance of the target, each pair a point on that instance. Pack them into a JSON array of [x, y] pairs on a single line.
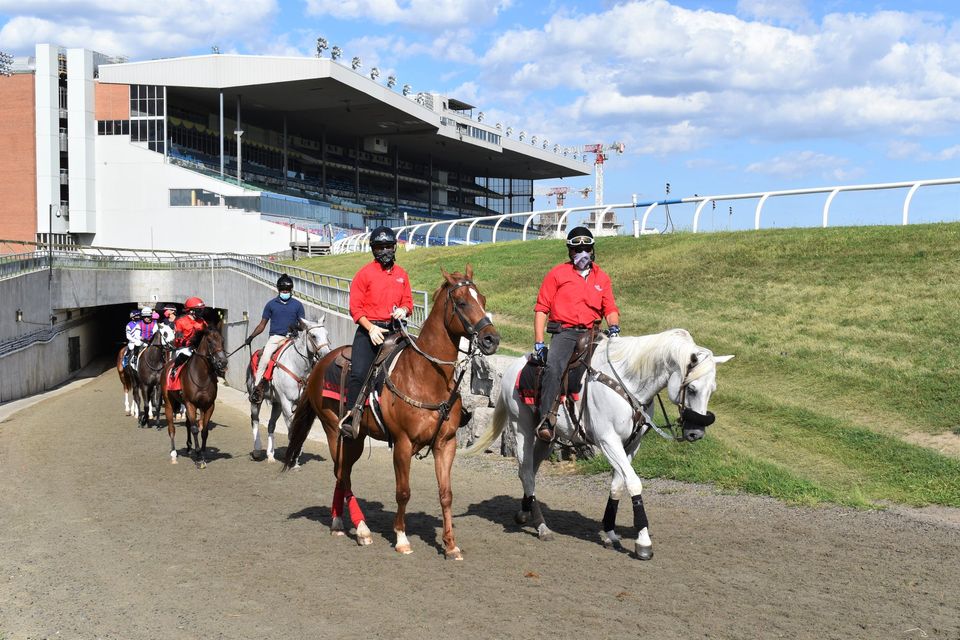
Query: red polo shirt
[[571, 299], [375, 291]]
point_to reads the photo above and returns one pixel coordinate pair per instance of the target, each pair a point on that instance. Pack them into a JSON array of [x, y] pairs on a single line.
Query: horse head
[[211, 348], [315, 337], [690, 387], [165, 335], [465, 312]]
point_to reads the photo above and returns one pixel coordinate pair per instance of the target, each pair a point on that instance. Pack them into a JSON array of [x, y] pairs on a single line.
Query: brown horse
[[421, 409], [127, 383], [198, 392]]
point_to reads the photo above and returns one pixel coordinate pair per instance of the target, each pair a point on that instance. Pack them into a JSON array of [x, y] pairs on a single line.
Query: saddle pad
[[173, 379], [528, 384], [331, 381], [256, 355]]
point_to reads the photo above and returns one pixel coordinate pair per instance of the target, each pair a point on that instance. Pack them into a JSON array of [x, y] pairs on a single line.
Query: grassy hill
[[844, 388]]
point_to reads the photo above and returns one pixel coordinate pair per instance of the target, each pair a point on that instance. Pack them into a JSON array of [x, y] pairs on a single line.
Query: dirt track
[[102, 537]]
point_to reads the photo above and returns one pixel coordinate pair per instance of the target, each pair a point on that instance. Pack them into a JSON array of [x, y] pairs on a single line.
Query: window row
[[113, 127], [146, 100]]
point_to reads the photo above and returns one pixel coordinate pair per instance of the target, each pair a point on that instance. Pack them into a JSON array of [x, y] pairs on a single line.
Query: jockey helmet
[[284, 283], [383, 235], [579, 236], [146, 312], [134, 314], [194, 303]]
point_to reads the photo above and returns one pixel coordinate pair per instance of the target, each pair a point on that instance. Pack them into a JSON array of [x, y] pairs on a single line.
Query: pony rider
[[284, 313], [380, 298], [573, 296], [187, 327]]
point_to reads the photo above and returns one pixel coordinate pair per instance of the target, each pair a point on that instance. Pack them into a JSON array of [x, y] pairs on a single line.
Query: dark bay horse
[[418, 407], [198, 392], [149, 373]]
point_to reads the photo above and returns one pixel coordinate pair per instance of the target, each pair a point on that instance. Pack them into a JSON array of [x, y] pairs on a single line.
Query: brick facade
[[18, 158], [112, 101]]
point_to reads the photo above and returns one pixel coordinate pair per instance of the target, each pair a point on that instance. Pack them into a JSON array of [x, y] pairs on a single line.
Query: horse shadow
[[209, 454], [380, 521], [280, 453], [501, 510]]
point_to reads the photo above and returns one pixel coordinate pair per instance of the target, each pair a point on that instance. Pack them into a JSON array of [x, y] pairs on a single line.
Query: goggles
[[580, 241]]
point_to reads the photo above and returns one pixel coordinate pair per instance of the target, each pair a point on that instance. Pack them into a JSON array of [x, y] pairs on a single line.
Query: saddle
[[256, 355], [336, 375], [529, 379]]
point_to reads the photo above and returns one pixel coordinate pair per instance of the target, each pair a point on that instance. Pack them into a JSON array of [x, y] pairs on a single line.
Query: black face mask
[[385, 256]]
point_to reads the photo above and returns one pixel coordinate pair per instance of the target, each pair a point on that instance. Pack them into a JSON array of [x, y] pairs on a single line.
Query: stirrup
[[546, 429], [348, 429]]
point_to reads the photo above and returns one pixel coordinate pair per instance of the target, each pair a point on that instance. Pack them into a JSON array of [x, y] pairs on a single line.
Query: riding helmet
[[284, 283], [194, 303], [383, 235], [579, 232]]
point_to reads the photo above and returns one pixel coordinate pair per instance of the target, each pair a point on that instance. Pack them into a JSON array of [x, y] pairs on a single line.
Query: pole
[[50, 243], [221, 135]]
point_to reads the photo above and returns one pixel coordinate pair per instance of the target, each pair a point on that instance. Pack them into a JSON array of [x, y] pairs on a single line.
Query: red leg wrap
[[336, 509], [356, 516]]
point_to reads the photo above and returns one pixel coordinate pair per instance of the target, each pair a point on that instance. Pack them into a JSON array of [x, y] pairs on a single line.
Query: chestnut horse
[[421, 408], [198, 379]]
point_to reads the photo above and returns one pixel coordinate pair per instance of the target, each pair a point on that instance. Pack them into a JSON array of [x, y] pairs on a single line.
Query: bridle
[[472, 331]]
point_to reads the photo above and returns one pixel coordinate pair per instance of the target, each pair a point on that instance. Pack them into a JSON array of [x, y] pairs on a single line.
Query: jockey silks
[[186, 326]]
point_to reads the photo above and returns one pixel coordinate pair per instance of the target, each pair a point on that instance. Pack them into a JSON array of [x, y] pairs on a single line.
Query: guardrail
[[359, 242], [328, 291]]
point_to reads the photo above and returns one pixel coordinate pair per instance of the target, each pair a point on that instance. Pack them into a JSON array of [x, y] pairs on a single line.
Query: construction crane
[[561, 193], [600, 157]]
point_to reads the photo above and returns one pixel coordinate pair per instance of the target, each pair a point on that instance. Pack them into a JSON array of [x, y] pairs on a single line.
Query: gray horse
[[293, 366]]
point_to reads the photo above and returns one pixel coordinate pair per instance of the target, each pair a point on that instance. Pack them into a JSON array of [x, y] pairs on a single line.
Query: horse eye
[[461, 304]]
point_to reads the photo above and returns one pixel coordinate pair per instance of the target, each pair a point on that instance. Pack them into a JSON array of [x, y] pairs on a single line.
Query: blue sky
[[723, 96]]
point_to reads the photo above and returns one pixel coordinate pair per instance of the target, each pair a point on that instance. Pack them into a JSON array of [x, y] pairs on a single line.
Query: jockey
[[573, 296], [380, 298], [284, 313], [143, 332], [187, 327], [133, 335], [169, 316]]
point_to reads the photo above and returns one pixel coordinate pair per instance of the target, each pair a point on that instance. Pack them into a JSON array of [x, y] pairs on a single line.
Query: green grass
[[845, 341]]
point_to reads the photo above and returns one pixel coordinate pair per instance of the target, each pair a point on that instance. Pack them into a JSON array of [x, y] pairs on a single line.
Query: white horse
[[614, 421], [289, 375]]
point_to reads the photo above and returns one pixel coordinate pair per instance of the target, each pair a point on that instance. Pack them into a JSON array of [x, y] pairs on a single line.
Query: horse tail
[[300, 426], [497, 423]]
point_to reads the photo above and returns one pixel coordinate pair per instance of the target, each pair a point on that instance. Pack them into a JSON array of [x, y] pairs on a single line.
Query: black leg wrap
[[639, 513], [527, 502], [610, 514], [537, 513]]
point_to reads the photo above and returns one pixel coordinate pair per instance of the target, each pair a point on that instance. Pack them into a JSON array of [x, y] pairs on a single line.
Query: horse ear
[[303, 323], [469, 271], [323, 320], [694, 358], [722, 359], [447, 276]]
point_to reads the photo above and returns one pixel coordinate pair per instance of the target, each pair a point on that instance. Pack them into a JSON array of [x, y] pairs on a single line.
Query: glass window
[[101, 127], [126, 127]]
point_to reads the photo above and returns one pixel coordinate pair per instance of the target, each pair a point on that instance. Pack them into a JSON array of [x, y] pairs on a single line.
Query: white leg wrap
[[611, 536], [643, 538], [402, 540], [270, 448]]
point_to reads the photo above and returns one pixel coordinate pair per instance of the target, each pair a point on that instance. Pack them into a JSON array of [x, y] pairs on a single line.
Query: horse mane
[[641, 353], [456, 275]]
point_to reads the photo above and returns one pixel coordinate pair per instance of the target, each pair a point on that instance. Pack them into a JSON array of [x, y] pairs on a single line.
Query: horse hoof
[[545, 534], [612, 544], [201, 465], [521, 517], [643, 553], [337, 533], [271, 459], [173, 461], [454, 554], [404, 549], [364, 541]]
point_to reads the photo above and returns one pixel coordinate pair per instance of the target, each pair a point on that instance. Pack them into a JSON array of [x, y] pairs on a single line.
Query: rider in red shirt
[[187, 327], [380, 298], [573, 296]]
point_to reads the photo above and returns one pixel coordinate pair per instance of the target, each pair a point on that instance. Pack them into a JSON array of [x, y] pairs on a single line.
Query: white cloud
[[419, 13], [803, 163], [904, 150], [132, 28]]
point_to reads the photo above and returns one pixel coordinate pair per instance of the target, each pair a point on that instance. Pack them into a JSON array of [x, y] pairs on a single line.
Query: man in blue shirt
[[284, 313]]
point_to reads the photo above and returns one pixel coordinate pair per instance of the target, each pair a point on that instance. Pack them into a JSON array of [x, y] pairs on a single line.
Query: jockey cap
[[285, 283]]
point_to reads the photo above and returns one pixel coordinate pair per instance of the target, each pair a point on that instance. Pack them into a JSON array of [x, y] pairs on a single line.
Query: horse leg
[[336, 511], [402, 453], [612, 448], [443, 454], [255, 428], [275, 410], [204, 431], [609, 534], [531, 452], [191, 422], [541, 451], [350, 452]]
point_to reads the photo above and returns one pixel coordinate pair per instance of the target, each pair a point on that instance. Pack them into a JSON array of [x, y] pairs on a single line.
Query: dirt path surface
[[101, 537]]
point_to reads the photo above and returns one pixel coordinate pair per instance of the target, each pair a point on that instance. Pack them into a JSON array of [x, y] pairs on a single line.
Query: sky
[[713, 97]]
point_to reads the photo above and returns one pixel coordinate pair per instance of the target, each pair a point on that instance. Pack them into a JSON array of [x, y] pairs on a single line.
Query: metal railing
[[325, 290], [359, 242]]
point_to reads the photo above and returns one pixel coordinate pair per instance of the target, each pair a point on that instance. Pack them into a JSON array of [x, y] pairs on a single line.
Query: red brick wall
[[18, 158], [112, 101]]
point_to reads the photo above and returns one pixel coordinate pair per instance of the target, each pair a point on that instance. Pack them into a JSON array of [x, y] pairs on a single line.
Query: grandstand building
[[232, 153]]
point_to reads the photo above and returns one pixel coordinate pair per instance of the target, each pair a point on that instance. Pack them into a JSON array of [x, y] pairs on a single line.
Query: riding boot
[[350, 425], [546, 427]]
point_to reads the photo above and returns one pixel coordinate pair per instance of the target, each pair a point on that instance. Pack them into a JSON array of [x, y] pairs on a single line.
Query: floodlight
[[391, 81], [509, 131], [545, 143], [533, 140], [522, 135], [374, 73], [480, 116], [556, 148], [214, 49], [322, 45], [499, 127], [421, 99], [355, 63], [407, 89], [335, 52]]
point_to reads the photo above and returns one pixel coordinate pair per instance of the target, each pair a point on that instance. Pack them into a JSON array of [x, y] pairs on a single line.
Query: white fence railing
[[431, 235]]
